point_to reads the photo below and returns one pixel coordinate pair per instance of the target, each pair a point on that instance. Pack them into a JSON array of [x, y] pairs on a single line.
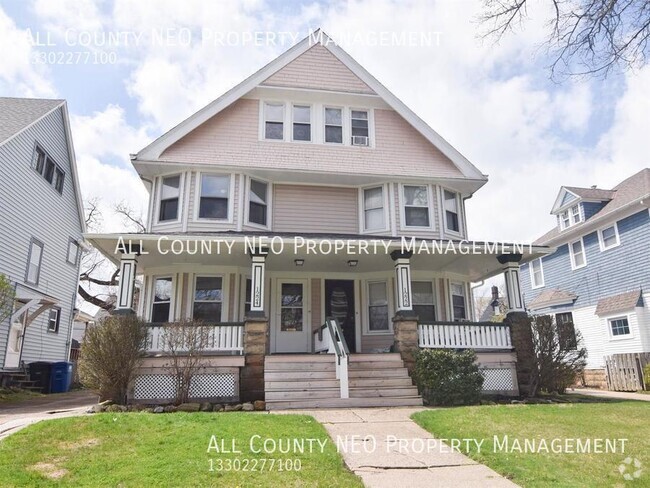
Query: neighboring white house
[[42, 225]]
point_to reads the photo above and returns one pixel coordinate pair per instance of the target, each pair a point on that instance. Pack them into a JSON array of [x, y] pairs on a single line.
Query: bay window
[[215, 193], [451, 208], [258, 202], [169, 195], [416, 206], [373, 209]]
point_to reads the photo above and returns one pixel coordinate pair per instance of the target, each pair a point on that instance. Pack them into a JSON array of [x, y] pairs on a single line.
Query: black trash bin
[[60, 377], [40, 373]]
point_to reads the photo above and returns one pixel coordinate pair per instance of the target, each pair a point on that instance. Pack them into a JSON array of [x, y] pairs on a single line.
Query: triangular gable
[[157, 147], [317, 68], [564, 197]]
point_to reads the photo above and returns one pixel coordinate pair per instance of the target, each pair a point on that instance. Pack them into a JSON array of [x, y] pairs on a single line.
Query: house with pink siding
[[249, 199]]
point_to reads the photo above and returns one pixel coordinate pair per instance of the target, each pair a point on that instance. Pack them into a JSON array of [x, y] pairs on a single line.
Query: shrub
[[7, 295], [559, 358], [448, 377], [646, 376], [111, 352]]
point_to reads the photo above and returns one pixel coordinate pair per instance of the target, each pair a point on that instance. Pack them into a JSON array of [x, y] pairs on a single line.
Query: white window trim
[[434, 289], [402, 209], [34, 242], [197, 197], [610, 334], [458, 211], [344, 129], [362, 213], [181, 196], [366, 311], [311, 122], [468, 311], [269, 198], [572, 256], [58, 320], [532, 277], [601, 240], [572, 220], [262, 122], [74, 242], [224, 298], [371, 125], [172, 298]]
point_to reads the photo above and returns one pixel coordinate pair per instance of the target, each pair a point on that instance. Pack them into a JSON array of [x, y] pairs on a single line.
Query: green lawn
[[140, 449], [613, 420]]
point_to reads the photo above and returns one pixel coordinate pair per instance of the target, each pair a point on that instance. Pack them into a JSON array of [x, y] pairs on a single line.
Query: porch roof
[[473, 259]]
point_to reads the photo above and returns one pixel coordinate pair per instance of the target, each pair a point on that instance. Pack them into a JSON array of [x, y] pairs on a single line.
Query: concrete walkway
[[385, 448], [622, 395], [16, 416]]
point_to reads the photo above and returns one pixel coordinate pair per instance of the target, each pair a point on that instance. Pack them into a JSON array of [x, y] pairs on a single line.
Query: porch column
[[256, 334], [257, 285], [510, 264], [520, 329], [403, 300], [405, 322], [128, 269]]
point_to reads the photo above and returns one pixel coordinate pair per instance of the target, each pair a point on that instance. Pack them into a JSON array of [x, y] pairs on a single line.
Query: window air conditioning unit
[[359, 140]]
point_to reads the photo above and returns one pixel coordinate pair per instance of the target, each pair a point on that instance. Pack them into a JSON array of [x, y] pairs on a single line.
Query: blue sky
[[495, 103]]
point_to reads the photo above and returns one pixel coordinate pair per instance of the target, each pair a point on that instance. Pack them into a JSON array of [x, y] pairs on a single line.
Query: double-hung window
[[452, 222], [334, 125], [608, 237], [423, 301], [162, 299], [274, 121], [575, 215], [215, 194], [73, 252], [373, 209], [48, 169], [34, 260], [378, 307], [416, 206], [39, 160], [578, 259], [301, 123], [458, 301], [536, 273], [53, 320], [258, 202], [359, 127], [208, 298], [169, 195], [566, 332]]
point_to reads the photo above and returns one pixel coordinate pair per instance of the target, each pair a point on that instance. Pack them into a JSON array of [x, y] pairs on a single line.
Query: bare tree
[[585, 37], [185, 343], [99, 277]]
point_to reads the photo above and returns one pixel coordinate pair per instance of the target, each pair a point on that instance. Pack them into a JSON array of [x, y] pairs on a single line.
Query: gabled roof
[[630, 191], [549, 298], [157, 147], [591, 193], [619, 303], [570, 195], [17, 114]]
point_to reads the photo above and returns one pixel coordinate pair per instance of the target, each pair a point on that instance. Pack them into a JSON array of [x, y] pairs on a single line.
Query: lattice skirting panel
[[204, 386], [498, 379]]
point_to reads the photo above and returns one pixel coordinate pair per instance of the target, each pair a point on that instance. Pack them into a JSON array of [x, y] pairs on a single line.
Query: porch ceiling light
[[299, 262], [353, 262]]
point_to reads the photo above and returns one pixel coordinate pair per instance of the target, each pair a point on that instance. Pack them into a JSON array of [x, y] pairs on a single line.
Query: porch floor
[[309, 381]]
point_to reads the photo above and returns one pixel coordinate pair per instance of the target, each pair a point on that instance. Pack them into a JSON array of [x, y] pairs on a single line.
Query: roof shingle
[[618, 303], [18, 113]]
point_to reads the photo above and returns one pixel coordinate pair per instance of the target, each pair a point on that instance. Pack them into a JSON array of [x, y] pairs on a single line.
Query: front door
[[15, 344], [339, 303], [292, 331]]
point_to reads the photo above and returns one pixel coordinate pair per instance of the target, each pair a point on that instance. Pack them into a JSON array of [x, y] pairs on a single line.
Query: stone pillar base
[[522, 340], [405, 328], [256, 331]]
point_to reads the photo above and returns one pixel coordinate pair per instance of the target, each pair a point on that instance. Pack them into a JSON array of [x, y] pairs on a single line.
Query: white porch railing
[[329, 339], [461, 335], [225, 337]]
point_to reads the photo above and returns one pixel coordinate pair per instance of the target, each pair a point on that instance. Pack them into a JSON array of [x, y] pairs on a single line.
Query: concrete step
[[298, 375], [387, 392], [410, 401]]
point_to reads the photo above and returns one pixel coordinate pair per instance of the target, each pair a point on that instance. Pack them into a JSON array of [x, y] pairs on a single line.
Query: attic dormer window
[[570, 217]]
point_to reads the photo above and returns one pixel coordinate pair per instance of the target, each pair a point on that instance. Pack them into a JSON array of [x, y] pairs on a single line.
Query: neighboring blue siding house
[[599, 277], [41, 230]]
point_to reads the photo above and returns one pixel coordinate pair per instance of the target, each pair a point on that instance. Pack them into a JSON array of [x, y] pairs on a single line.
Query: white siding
[[30, 207]]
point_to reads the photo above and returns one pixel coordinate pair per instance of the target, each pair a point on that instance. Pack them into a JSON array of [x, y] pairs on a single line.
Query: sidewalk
[[16, 416], [623, 395], [385, 448]]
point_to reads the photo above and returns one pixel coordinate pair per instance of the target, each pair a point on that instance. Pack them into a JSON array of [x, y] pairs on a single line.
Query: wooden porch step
[[383, 373], [409, 401], [300, 384], [299, 358], [382, 357], [300, 366], [375, 365], [386, 392], [306, 384], [303, 394], [288, 375]]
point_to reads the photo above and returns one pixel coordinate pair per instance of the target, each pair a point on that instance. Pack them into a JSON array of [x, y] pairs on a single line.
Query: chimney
[[593, 187]]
